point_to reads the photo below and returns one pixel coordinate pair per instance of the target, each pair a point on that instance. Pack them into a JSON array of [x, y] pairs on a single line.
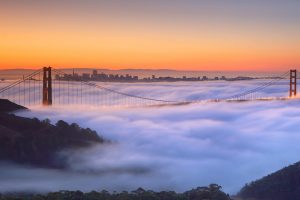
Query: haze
[[171, 147]]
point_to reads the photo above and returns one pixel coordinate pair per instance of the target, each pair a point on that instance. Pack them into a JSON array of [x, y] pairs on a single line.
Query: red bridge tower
[[47, 86], [293, 83]]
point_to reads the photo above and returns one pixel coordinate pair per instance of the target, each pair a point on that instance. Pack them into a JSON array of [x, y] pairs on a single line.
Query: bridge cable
[[261, 87], [121, 93]]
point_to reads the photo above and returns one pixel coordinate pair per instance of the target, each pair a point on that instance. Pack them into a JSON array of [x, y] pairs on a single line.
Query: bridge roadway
[[39, 87]]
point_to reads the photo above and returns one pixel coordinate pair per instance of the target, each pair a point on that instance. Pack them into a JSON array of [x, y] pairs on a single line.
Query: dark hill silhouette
[[213, 192], [281, 185], [35, 142], [8, 106]]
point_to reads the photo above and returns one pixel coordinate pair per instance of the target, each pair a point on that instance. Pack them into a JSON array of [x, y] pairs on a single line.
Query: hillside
[[35, 142], [281, 185], [8, 106]]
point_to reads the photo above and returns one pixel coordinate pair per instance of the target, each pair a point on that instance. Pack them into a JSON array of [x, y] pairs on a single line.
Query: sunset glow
[[181, 35]]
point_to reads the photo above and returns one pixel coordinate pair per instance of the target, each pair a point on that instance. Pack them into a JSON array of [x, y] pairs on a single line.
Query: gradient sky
[[174, 34]]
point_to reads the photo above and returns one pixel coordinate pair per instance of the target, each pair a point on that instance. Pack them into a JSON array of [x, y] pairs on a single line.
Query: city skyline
[[109, 77], [150, 100], [180, 35]]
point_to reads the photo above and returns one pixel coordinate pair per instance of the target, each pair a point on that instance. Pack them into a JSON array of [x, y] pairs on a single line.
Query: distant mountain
[[167, 70], [281, 185], [35, 142], [15, 70]]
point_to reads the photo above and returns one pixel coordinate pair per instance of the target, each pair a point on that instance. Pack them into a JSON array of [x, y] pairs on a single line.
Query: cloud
[[171, 147]]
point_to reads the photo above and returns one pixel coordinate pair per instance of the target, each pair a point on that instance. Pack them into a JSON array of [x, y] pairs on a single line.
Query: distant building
[[95, 72], [94, 76], [85, 76]]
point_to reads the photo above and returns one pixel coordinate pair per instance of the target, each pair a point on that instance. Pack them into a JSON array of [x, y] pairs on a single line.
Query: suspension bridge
[[48, 86]]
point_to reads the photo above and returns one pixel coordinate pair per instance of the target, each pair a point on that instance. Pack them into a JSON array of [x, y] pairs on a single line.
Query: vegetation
[[213, 192], [35, 142], [281, 185]]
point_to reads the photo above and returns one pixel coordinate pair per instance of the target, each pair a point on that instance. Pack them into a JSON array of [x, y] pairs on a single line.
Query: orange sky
[[189, 36]]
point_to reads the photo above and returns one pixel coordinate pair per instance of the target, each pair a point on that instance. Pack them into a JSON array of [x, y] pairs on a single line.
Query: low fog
[[170, 147]]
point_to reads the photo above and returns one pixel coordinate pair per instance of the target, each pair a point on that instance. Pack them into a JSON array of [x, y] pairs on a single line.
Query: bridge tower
[[293, 83], [47, 86]]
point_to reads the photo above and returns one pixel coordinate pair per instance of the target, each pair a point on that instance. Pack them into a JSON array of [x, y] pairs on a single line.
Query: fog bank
[[171, 147]]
